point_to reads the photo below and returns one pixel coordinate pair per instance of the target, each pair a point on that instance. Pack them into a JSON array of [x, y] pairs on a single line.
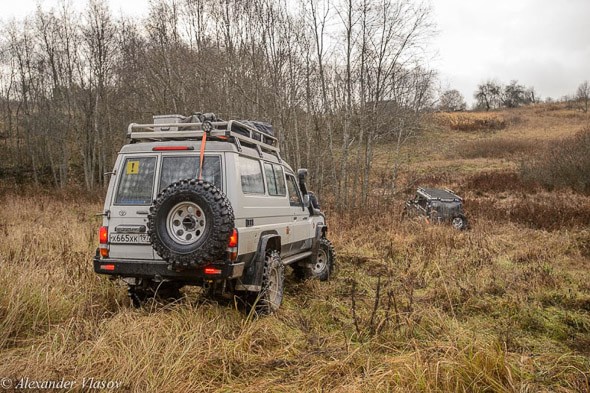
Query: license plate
[[133, 238]]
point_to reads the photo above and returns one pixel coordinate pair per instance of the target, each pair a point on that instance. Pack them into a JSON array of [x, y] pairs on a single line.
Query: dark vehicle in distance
[[437, 206]]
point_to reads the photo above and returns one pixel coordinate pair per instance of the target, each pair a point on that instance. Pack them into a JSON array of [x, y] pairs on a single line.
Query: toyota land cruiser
[[200, 201]]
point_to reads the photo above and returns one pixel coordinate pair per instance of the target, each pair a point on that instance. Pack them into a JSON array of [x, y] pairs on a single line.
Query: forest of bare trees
[[334, 77]]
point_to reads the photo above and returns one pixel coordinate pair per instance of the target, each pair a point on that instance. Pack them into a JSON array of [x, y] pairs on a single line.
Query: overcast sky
[[540, 43]]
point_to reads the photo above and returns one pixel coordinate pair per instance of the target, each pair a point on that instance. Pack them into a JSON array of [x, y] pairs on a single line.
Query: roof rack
[[438, 194], [187, 131]]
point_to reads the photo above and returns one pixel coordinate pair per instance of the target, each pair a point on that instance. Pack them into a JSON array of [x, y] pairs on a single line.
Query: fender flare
[[252, 278]]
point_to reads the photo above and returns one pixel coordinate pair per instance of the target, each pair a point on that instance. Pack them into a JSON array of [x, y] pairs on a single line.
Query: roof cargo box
[[167, 119]]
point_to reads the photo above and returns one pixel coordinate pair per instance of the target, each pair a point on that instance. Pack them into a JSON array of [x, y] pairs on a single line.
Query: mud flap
[[252, 278]]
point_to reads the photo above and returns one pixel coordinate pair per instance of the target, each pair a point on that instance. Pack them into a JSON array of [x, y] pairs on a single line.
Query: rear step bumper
[[143, 268]]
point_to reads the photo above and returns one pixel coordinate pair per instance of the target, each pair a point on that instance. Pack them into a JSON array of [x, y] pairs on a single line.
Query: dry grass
[[472, 121], [499, 308], [496, 148], [502, 307]]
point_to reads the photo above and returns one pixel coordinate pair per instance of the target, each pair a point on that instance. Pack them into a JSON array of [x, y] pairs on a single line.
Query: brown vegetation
[[566, 163], [472, 122], [496, 148], [502, 307]]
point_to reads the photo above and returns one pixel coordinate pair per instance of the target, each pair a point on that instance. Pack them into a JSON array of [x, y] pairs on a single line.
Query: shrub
[[494, 148], [497, 181], [565, 164], [471, 122], [547, 211]]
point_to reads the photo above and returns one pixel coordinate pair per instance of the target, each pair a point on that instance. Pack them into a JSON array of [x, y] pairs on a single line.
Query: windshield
[[447, 209]]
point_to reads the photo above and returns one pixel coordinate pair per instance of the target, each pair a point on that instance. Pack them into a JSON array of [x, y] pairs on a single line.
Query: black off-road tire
[[323, 265], [213, 212], [460, 223], [270, 297]]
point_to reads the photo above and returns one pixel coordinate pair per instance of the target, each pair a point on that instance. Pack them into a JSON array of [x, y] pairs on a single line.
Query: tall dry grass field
[[503, 307], [412, 308]]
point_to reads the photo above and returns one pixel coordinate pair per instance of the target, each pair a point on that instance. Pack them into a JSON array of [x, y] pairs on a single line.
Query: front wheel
[[322, 266], [459, 223]]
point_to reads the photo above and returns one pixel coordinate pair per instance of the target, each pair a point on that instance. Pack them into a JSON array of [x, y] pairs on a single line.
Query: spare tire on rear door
[[190, 223]]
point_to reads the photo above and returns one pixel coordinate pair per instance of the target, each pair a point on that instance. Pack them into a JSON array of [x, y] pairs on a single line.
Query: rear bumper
[[142, 268]]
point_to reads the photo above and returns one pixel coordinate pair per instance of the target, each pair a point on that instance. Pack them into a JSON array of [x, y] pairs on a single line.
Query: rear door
[[141, 179], [130, 205]]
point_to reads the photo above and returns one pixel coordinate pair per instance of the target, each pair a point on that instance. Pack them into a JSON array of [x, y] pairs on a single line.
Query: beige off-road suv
[[200, 201]]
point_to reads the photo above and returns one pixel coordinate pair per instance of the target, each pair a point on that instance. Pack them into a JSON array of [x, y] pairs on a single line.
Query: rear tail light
[[103, 238], [233, 239], [103, 235], [232, 246], [212, 270]]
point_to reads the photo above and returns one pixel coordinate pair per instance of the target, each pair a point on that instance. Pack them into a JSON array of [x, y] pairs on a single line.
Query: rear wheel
[[270, 297]]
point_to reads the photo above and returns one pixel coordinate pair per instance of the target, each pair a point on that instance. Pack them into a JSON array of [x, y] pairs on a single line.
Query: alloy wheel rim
[[320, 265], [186, 223]]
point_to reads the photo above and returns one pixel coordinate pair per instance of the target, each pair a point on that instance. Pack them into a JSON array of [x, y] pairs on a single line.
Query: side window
[[187, 167], [251, 176], [275, 179], [294, 195], [137, 181]]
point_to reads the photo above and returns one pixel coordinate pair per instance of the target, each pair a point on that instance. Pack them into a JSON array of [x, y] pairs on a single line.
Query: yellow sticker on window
[[132, 167]]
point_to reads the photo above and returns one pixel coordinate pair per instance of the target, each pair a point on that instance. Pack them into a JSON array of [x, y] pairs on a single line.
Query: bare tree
[[583, 95], [531, 96], [99, 38], [452, 101], [513, 95], [488, 95], [335, 77]]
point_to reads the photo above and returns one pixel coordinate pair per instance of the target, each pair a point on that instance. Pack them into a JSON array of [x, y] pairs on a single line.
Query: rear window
[[275, 179], [137, 181], [187, 167], [251, 176]]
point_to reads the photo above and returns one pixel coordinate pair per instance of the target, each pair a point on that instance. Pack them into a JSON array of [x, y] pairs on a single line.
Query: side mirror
[[302, 174], [306, 200]]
